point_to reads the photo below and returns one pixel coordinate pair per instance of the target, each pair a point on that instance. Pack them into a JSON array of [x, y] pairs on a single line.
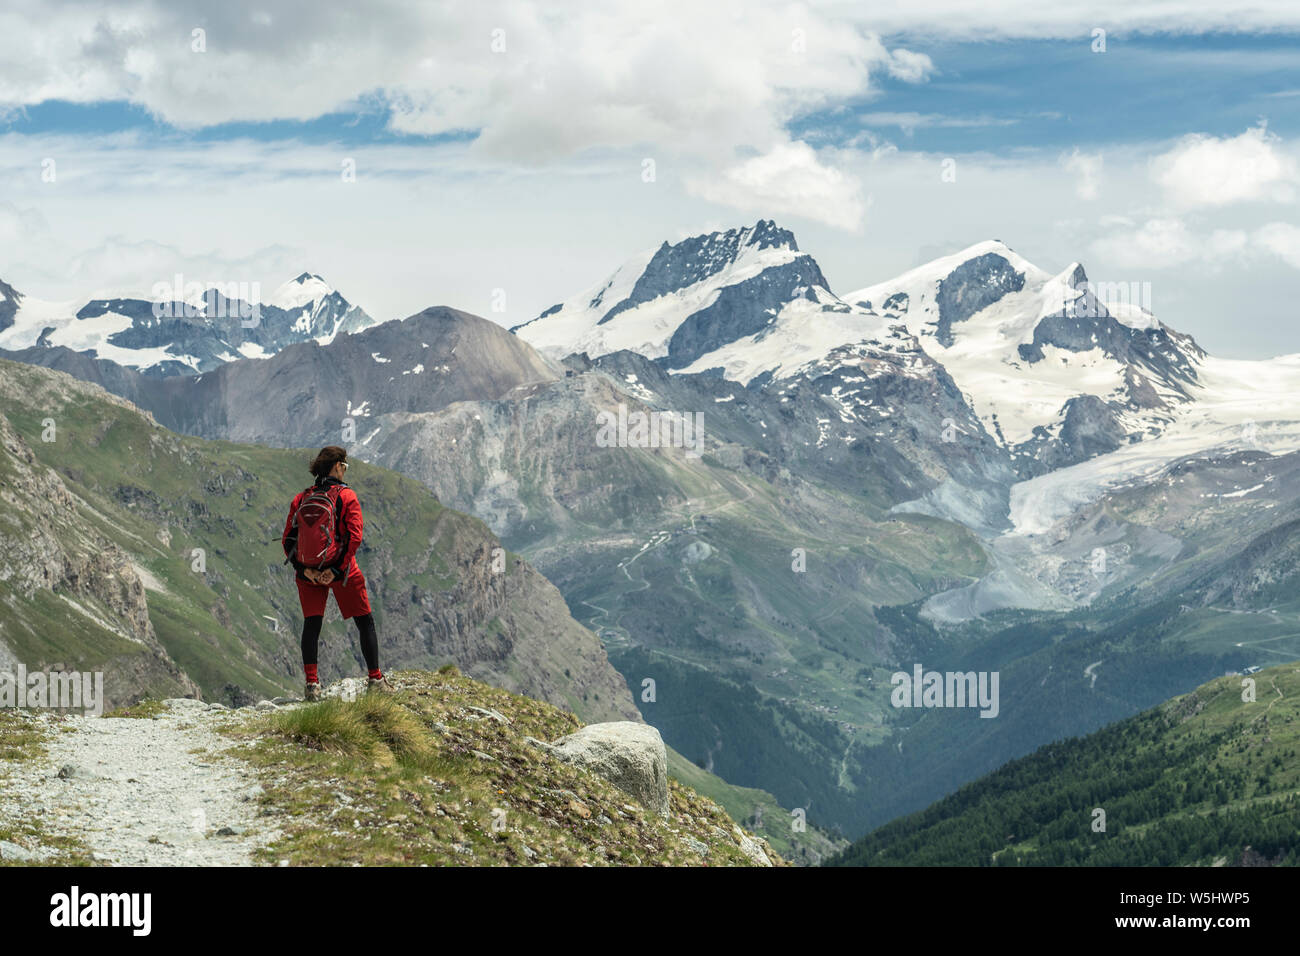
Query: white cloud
[[535, 81], [910, 121], [1087, 167], [790, 179], [688, 84], [909, 66], [120, 266], [1165, 243], [1209, 171], [21, 224], [1001, 19], [1282, 239], [1158, 243]]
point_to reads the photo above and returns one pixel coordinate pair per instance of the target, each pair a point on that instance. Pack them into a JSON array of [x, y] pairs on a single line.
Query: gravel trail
[[136, 793]]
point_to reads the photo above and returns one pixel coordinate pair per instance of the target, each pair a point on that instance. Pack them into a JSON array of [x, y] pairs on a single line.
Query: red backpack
[[317, 523]]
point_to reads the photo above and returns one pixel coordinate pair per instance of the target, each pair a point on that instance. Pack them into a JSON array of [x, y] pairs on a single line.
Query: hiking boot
[[381, 685], [312, 693]]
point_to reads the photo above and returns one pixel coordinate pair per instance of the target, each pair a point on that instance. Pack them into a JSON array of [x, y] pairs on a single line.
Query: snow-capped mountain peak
[[684, 299], [306, 289], [177, 338], [320, 312], [1024, 344]]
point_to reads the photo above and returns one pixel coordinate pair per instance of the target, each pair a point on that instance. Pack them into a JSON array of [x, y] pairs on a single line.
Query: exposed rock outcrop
[[629, 755]]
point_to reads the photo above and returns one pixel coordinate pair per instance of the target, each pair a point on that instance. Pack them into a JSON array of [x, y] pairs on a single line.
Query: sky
[[500, 156]]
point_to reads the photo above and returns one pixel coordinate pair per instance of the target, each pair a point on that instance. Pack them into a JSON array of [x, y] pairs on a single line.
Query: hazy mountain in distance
[[176, 336]]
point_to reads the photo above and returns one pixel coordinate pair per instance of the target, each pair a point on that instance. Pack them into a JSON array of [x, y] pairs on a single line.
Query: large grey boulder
[[629, 755]]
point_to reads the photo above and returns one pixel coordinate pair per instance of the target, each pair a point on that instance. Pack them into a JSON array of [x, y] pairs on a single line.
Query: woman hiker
[[321, 537]]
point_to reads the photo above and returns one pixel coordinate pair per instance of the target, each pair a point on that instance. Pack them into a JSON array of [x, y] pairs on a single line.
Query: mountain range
[[978, 463], [186, 330]]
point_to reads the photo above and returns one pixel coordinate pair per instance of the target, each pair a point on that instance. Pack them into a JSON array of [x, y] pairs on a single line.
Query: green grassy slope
[[1206, 778], [794, 838], [428, 780]]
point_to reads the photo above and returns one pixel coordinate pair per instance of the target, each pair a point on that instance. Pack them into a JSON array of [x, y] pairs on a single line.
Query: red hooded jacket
[[350, 527]]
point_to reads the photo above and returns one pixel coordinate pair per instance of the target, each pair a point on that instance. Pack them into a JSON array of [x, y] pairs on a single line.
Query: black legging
[[369, 639]]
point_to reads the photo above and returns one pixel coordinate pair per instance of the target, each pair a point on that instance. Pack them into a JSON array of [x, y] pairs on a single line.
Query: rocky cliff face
[[678, 266], [9, 299], [58, 563], [972, 286], [745, 308]]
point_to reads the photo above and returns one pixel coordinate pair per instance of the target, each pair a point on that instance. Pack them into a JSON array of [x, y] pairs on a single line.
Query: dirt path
[[142, 792]]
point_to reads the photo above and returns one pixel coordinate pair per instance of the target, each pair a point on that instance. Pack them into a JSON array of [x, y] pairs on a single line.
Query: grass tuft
[[374, 728], [144, 710]]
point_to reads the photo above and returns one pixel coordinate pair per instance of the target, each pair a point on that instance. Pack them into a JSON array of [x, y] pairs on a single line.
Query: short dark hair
[[329, 456]]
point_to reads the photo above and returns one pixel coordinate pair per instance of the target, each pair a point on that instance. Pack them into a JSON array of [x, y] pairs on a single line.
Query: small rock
[[70, 770], [230, 831], [266, 705], [491, 714], [604, 820], [252, 793], [529, 851], [751, 848], [482, 756], [12, 851], [281, 701], [185, 703], [698, 846]]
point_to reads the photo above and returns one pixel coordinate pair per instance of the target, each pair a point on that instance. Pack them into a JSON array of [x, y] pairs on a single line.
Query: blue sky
[[504, 146], [1059, 93]]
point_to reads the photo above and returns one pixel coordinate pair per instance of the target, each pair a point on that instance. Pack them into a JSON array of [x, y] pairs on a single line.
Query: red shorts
[[353, 601]]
